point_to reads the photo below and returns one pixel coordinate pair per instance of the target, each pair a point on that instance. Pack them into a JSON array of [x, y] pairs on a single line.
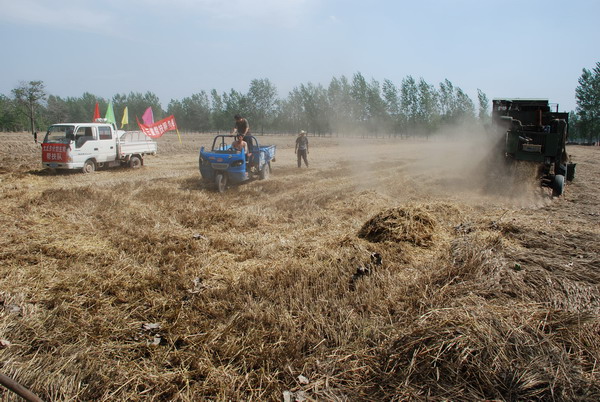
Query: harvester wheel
[[221, 182], [558, 185]]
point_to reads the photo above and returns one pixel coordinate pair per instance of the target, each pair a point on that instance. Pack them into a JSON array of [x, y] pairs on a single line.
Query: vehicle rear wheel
[[265, 171], [89, 166], [135, 162], [558, 185], [221, 182]]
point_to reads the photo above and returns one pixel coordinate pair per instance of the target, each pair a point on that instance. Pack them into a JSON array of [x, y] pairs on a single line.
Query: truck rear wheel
[[89, 166], [135, 162], [221, 182]]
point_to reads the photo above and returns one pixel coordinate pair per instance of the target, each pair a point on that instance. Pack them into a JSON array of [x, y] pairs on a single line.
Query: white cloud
[[238, 11], [104, 17], [66, 14]]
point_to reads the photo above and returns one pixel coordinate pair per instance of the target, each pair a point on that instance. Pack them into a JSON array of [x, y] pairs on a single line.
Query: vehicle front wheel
[[221, 182], [89, 166], [135, 162], [558, 185]]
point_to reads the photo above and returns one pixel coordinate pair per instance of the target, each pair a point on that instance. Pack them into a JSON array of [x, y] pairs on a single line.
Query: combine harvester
[[536, 134]]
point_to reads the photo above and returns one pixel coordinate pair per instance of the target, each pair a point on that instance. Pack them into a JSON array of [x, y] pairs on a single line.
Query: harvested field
[[149, 285]]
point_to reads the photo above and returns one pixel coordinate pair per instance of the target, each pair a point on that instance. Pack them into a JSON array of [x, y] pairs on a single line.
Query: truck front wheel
[[89, 166], [135, 162]]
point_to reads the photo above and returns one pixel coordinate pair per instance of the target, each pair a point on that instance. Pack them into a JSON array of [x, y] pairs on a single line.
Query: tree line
[[584, 124], [352, 106]]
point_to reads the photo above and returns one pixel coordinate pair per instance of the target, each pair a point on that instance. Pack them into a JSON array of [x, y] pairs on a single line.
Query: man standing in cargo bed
[[302, 148], [241, 127]]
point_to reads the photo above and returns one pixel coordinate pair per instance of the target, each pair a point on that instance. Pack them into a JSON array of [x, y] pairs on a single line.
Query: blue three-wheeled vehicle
[[224, 165]]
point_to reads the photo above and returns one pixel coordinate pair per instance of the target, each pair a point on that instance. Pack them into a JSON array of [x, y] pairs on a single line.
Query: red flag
[[96, 113], [159, 128]]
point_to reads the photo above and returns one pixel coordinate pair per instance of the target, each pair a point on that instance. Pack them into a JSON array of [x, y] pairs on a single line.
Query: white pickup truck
[[88, 146]]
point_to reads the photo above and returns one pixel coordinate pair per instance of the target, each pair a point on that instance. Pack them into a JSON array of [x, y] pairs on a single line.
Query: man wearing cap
[[302, 148]]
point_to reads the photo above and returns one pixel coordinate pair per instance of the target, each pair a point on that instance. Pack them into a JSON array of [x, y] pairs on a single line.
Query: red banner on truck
[[159, 128], [54, 152]]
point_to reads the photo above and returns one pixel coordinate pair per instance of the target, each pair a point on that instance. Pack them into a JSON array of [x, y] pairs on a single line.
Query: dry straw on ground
[[148, 285]]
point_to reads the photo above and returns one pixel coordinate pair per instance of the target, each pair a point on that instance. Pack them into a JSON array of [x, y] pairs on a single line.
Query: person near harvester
[[302, 148]]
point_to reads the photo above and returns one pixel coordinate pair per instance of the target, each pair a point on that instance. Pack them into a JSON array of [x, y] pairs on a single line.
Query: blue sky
[[175, 48]]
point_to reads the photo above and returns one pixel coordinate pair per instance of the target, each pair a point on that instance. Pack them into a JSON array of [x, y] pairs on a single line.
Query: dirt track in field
[[250, 287]]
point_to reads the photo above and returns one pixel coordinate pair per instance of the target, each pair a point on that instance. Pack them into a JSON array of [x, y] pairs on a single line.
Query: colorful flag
[[110, 114], [148, 117], [96, 113], [125, 119]]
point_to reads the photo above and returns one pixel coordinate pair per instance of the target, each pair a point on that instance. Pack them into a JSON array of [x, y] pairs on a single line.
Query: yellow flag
[[125, 119]]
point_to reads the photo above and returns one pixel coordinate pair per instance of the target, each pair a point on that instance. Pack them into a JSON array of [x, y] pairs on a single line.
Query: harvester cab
[[537, 134]]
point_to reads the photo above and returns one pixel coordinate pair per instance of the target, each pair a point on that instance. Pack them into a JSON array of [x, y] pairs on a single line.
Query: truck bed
[[136, 142], [269, 151]]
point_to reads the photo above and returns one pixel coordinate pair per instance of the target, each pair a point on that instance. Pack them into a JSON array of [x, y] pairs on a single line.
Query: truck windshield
[[59, 134]]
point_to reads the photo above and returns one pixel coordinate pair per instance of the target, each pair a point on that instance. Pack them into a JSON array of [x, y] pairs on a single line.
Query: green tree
[[392, 105], [136, 103], [484, 106], [56, 110], [262, 97], [367, 106], [196, 112], [447, 101], [314, 108], [340, 103], [409, 103], [236, 103], [427, 107], [587, 94], [8, 118], [291, 115], [465, 108], [360, 97], [176, 109], [376, 109], [219, 119], [28, 97], [575, 132]]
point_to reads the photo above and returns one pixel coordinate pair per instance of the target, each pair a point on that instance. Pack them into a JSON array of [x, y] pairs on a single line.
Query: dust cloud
[[462, 163]]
